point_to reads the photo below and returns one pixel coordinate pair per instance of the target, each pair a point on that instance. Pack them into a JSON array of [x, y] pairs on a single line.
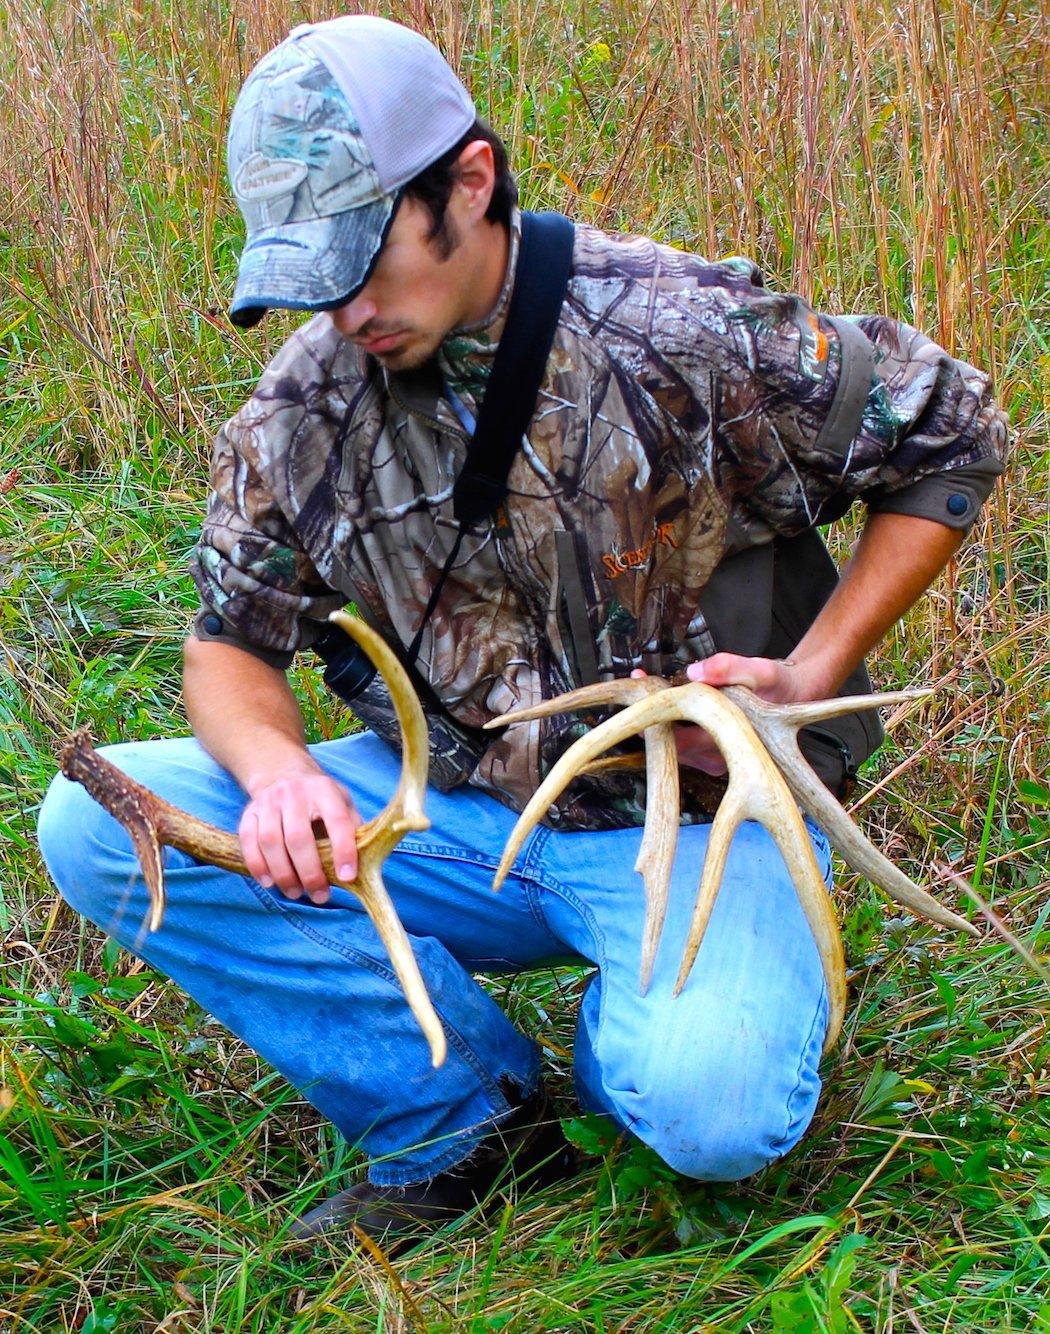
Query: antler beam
[[153, 824]]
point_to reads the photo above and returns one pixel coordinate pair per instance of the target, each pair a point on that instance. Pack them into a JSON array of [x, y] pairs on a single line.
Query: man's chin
[[410, 357]]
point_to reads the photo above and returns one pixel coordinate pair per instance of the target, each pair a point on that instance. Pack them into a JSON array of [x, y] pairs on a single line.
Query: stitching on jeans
[[553, 886], [444, 852], [601, 961], [815, 1035], [534, 852], [533, 879]]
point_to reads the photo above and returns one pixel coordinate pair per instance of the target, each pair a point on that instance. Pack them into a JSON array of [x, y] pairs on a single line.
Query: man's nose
[[352, 317]]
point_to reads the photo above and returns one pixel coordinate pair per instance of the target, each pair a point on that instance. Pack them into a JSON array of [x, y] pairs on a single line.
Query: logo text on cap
[[262, 177]]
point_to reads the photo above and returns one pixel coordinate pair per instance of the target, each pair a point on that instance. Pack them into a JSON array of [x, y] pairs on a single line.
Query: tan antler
[[660, 836], [153, 824], [757, 790], [778, 725]]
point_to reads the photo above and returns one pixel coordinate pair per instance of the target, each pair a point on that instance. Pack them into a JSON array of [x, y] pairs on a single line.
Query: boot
[[527, 1149]]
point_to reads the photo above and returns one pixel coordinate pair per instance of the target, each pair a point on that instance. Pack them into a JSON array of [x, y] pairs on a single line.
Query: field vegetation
[[876, 156]]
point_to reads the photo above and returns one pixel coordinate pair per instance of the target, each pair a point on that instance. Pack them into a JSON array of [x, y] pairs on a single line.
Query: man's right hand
[[245, 715], [280, 826]]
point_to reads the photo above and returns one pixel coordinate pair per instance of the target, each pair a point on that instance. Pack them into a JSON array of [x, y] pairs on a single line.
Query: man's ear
[[476, 176]]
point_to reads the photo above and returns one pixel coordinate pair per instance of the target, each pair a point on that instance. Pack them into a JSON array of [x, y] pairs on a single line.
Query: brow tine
[[655, 708], [625, 690]]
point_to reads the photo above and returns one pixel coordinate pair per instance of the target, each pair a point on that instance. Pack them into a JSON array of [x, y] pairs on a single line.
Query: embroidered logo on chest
[[616, 562]]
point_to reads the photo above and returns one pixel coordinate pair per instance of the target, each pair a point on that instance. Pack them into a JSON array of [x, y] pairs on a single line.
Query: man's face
[[416, 293]]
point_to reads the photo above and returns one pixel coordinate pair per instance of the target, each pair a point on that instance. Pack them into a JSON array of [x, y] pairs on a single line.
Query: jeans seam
[[553, 886], [445, 852], [814, 1035]]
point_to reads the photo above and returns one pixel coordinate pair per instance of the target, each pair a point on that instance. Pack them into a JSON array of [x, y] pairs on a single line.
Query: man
[[690, 432]]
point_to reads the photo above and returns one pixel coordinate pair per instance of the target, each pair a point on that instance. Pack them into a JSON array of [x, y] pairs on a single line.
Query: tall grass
[[874, 156]]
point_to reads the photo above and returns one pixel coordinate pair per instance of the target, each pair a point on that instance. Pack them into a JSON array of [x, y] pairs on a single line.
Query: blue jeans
[[719, 1081]]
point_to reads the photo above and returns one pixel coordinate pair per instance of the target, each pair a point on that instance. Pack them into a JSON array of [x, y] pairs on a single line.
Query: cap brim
[[315, 265]]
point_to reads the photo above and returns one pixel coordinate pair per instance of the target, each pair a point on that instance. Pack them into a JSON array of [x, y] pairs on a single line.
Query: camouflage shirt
[[687, 416]]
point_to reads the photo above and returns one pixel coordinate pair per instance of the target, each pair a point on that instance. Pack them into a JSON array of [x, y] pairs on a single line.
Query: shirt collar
[[467, 353]]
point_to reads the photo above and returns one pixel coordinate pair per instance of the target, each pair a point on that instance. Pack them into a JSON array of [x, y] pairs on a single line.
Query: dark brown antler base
[[151, 822]]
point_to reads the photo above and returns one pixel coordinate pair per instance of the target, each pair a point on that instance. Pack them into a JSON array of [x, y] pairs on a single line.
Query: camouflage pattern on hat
[[328, 129], [306, 184]]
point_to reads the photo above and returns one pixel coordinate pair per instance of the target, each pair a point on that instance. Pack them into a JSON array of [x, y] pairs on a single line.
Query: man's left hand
[[777, 680]]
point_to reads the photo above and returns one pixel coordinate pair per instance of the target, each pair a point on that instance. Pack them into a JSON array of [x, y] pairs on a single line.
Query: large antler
[[757, 790], [153, 824]]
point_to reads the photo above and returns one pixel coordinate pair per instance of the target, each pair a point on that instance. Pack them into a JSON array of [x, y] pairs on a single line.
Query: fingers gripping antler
[[756, 791], [153, 824]]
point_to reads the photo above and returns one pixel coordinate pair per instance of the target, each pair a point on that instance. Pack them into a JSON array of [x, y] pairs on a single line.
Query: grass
[[876, 157]]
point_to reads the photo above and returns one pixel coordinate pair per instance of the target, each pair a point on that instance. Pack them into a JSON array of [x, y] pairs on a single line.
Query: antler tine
[[153, 823], [402, 814], [644, 713], [659, 840], [624, 690], [660, 837], [778, 726], [757, 791]]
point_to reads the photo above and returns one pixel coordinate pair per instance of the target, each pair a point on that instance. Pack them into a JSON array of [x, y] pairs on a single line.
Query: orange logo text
[[616, 562]]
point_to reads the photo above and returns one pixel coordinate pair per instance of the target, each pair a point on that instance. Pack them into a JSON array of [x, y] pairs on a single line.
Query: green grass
[[876, 157]]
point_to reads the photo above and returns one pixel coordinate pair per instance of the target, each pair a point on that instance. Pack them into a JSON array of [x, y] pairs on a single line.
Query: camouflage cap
[[326, 132]]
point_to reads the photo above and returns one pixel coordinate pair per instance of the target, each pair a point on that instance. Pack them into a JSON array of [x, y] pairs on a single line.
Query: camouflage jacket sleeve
[[258, 588], [815, 411]]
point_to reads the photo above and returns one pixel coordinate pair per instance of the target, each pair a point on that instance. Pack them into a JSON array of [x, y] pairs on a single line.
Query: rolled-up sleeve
[[259, 590], [819, 411]]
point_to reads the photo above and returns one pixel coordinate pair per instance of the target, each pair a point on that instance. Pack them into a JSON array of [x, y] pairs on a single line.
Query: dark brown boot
[[527, 1149]]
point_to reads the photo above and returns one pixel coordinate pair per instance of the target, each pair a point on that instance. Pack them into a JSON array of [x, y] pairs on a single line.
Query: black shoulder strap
[[541, 277]]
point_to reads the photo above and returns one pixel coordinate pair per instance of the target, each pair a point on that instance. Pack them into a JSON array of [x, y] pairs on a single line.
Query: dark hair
[[433, 186]]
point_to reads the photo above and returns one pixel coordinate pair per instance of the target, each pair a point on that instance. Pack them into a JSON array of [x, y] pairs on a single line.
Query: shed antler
[[153, 824], [767, 775]]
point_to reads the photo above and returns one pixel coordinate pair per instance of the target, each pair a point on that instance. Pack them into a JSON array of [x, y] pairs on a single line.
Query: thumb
[[729, 669]]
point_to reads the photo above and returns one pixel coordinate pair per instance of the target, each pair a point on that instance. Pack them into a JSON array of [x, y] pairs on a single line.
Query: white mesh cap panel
[[409, 104]]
